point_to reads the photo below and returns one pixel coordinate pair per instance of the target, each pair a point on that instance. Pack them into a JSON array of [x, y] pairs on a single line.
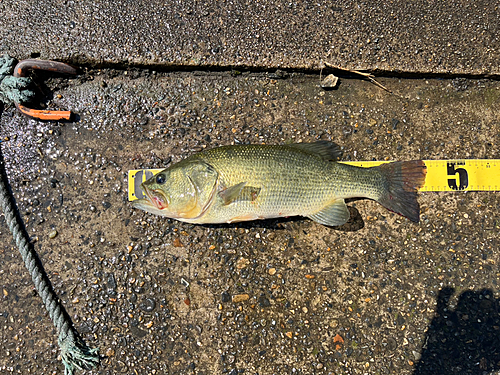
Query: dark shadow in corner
[[465, 340]]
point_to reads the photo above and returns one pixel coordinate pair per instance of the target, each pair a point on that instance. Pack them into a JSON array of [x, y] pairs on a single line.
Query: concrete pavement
[[443, 37]]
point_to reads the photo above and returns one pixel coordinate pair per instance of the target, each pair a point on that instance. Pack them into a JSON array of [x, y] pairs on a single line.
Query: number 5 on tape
[[462, 175]]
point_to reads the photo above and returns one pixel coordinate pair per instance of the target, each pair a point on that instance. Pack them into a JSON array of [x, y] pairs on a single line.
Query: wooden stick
[[368, 76]]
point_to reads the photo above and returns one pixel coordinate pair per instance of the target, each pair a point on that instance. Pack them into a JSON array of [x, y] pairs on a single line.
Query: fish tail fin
[[403, 179]]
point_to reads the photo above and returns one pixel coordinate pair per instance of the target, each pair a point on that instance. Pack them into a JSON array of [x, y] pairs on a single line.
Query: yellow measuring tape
[[456, 175], [442, 175]]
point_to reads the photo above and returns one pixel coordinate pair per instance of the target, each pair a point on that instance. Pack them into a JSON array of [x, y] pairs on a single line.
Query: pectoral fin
[[239, 192], [230, 194], [334, 214], [249, 193]]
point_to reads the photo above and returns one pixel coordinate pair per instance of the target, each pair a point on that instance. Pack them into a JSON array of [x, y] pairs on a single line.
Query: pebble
[[329, 82], [122, 367], [225, 297], [417, 355], [272, 271], [148, 305], [347, 129], [242, 263], [53, 234], [391, 344], [111, 281], [264, 301], [177, 243], [240, 298], [339, 341]]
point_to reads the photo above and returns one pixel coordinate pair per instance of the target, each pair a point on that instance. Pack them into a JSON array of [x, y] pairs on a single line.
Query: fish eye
[[160, 179]]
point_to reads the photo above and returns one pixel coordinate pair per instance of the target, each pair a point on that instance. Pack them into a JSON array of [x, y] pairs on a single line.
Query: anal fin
[[336, 213]]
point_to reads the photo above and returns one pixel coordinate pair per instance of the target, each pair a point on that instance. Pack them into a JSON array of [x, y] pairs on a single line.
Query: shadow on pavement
[[465, 340], [354, 224]]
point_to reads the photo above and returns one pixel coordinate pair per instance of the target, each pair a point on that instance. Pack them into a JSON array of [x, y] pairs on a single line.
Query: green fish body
[[247, 182]]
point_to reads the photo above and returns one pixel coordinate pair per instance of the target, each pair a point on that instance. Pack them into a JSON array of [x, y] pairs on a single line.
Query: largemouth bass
[[247, 182]]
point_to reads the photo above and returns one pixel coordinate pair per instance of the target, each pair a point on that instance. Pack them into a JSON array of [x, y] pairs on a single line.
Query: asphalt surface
[[379, 295], [446, 37]]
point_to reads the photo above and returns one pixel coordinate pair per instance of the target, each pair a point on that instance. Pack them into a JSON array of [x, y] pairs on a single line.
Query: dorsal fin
[[324, 149]]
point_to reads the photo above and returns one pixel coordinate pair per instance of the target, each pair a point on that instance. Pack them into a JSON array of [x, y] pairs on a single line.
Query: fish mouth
[[157, 198]]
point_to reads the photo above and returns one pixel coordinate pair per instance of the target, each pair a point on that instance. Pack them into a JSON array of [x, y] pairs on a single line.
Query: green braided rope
[[74, 352], [13, 89]]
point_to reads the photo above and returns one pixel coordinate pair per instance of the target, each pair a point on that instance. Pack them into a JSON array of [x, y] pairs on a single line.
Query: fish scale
[[292, 181]]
